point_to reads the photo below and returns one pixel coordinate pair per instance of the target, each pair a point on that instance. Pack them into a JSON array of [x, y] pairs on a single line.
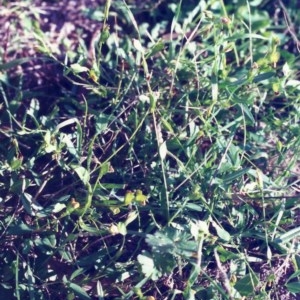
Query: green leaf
[[173, 241], [234, 175], [104, 34], [195, 207], [16, 163], [105, 167], [226, 255], [19, 228], [15, 63], [6, 292], [77, 272], [293, 287], [82, 173], [154, 49], [49, 241], [222, 233], [163, 150], [148, 266], [89, 228], [137, 45], [30, 206], [166, 125], [101, 122], [263, 76], [287, 236], [132, 215], [294, 275], [160, 242], [243, 35], [77, 68], [66, 139], [246, 285], [50, 143], [122, 228], [58, 207], [199, 228], [255, 2], [247, 113], [78, 291], [214, 91]]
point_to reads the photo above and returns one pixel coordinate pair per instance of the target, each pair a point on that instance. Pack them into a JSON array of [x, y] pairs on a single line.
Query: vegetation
[[149, 150]]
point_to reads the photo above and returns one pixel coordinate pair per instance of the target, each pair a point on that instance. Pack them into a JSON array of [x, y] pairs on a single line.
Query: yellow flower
[[74, 203]]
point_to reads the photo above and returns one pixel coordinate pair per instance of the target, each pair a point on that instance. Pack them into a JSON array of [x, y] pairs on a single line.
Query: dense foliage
[[149, 150]]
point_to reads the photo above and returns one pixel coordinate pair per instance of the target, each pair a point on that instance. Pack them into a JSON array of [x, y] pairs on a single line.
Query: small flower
[[225, 20], [74, 203]]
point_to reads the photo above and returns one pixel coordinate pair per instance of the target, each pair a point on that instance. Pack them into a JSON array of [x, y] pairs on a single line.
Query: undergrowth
[[159, 160]]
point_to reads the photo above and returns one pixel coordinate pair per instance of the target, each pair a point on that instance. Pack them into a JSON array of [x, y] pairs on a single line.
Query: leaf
[[287, 236], [293, 287], [19, 229], [50, 143], [154, 49], [293, 83], [101, 122], [16, 163], [294, 275], [148, 266], [122, 228], [81, 293], [166, 125], [31, 281], [195, 207], [199, 228], [173, 241], [246, 285], [89, 228], [16, 63], [58, 207], [77, 68], [226, 255], [163, 150], [222, 233], [71, 148], [153, 97], [34, 107], [247, 113], [47, 243], [132, 215], [160, 242], [260, 180], [105, 168], [76, 273], [6, 292], [137, 45], [263, 76], [234, 175], [214, 91], [67, 123], [82, 173], [100, 291], [146, 263], [30, 206], [104, 34]]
